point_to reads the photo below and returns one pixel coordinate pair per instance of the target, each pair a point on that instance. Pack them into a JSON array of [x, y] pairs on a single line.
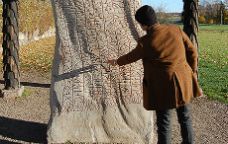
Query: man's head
[[146, 16]]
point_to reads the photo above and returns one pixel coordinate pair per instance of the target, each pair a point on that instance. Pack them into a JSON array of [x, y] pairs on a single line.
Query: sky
[[168, 5]]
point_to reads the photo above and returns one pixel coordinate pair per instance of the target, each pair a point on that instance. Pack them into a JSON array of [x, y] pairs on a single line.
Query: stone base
[[12, 93], [129, 124]]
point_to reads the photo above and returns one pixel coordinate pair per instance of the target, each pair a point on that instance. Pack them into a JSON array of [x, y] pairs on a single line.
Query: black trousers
[[164, 125]]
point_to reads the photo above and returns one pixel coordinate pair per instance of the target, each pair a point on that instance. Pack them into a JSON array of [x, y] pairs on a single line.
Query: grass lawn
[[36, 56], [213, 61], [206, 27]]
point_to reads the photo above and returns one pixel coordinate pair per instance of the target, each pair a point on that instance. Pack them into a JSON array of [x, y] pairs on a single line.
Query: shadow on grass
[[31, 132], [31, 84]]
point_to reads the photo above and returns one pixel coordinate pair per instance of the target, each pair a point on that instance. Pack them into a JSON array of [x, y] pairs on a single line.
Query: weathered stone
[[90, 100]]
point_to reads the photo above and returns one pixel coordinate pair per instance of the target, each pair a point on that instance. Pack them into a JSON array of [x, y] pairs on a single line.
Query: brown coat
[[170, 62]]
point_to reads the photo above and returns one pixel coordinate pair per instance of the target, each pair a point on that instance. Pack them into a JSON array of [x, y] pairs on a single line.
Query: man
[[170, 66]]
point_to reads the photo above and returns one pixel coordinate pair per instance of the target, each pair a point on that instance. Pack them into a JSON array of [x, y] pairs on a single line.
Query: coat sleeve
[[191, 52], [132, 56]]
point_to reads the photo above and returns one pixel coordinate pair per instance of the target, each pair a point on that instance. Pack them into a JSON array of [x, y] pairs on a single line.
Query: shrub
[[210, 21], [202, 19]]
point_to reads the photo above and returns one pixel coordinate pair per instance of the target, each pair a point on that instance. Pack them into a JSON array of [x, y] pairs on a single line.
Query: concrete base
[[12, 93]]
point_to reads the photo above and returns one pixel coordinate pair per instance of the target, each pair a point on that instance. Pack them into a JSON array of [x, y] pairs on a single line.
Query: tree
[[214, 11], [222, 11], [10, 44], [226, 17], [161, 13], [190, 20]]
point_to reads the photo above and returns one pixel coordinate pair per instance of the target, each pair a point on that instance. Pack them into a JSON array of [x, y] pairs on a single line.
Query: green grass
[[210, 28], [27, 92], [213, 66], [220, 28]]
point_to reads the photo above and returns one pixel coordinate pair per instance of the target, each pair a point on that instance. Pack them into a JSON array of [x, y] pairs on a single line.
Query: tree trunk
[[91, 101], [10, 44], [190, 20]]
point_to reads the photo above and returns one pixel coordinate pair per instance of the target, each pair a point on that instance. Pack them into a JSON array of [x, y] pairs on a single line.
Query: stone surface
[[90, 100]]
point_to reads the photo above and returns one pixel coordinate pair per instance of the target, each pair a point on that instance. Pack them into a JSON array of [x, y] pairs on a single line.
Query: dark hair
[[146, 15]]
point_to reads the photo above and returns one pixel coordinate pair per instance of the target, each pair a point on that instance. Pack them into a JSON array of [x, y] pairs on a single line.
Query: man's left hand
[[112, 62]]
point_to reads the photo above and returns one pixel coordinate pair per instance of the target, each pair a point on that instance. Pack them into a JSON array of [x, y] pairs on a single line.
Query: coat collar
[[152, 28]]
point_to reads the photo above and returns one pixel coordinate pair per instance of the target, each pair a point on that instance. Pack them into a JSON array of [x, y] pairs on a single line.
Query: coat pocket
[[183, 86]]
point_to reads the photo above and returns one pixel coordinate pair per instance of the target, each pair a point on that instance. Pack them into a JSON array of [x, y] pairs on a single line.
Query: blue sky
[[169, 5]]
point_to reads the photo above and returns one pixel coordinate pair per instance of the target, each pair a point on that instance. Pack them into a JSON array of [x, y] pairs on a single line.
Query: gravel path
[[24, 119]]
